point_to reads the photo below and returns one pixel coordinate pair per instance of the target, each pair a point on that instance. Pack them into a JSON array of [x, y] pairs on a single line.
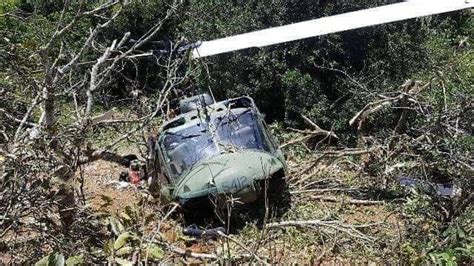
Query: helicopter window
[[186, 147], [271, 140], [242, 102], [240, 130], [179, 161]]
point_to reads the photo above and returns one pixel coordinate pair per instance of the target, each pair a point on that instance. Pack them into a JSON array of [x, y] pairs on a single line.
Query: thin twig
[[244, 247]]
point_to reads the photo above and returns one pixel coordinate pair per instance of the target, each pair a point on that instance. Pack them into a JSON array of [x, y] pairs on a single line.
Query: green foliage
[[293, 83], [128, 237], [121, 240], [75, 260], [384, 54], [116, 226], [57, 259], [380, 55], [452, 245], [155, 252], [8, 5], [124, 262], [329, 79]]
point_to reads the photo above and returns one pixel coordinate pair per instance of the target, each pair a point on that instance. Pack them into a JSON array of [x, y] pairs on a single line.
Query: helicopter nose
[[231, 173]]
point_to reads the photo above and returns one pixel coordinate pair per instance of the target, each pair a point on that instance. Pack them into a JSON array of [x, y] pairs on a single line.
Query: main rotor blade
[[332, 24]]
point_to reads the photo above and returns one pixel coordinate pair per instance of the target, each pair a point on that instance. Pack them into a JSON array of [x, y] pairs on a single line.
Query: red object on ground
[[134, 177]]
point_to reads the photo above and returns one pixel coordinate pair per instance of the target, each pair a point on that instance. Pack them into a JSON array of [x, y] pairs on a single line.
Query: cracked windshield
[[235, 130]]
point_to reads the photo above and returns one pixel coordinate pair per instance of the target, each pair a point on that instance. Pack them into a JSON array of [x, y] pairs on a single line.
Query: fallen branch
[[209, 256], [317, 131], [331, 154], [328, 181], [350, 201], [105, 116], [109, 156], [298, 140], [335, 225], [322, 190], [189, 253], [409, 90], [244, 247], [349, 152]]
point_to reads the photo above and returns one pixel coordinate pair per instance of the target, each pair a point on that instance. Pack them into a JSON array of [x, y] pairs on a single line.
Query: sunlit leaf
[[123, 262], [59, 260], [43, 262], [116, 225], [121, 240], [131, 212], [124, 251], [186, 238], [75, 260], [109, 247], [125, 216], [52, 259], [155, 252]]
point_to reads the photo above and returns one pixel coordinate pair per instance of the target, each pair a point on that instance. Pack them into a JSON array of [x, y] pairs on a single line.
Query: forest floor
[[331, 211], [335, 215]]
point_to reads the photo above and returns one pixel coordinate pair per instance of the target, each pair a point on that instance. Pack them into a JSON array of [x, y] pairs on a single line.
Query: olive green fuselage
[[220, 150]]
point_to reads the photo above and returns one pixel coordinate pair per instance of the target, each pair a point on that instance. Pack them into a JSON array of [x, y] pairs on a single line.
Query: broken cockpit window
[[239, 129], [236, 129], [186, 147]]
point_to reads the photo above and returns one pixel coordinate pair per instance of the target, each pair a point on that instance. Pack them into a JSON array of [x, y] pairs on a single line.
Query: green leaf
[[75, 260], [131, 212], [51, 259], [124, 251], [465, 251], [125, 217], [59, 260], [186, 238], [43, 262], [123, 262], [116, 225], [109, 247], [155, 252], [121, 240]]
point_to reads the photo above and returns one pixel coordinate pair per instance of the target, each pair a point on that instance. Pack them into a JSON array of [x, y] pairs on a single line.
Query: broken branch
[[350, 201], [335, 225]]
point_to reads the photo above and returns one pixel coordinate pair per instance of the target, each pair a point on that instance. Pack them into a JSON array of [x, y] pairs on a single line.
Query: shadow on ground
[[269, 206]]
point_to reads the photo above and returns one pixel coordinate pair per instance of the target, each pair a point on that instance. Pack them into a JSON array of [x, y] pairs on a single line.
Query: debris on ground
[[195, 231]]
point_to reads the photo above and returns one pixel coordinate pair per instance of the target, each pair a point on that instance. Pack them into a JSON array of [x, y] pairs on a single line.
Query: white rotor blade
[[332, 24]]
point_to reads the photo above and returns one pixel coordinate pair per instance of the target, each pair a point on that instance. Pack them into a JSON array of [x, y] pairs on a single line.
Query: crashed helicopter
[[224, 148], [214, 149]]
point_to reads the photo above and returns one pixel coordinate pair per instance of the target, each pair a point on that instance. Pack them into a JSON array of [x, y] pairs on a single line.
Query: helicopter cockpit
[[224, 131], [213, 148]]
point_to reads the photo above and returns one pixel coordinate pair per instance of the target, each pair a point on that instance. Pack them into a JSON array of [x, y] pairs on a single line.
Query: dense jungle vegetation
[[401, 92]]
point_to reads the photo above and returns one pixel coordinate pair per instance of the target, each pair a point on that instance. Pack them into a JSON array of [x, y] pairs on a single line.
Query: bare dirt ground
[[102, 188]]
